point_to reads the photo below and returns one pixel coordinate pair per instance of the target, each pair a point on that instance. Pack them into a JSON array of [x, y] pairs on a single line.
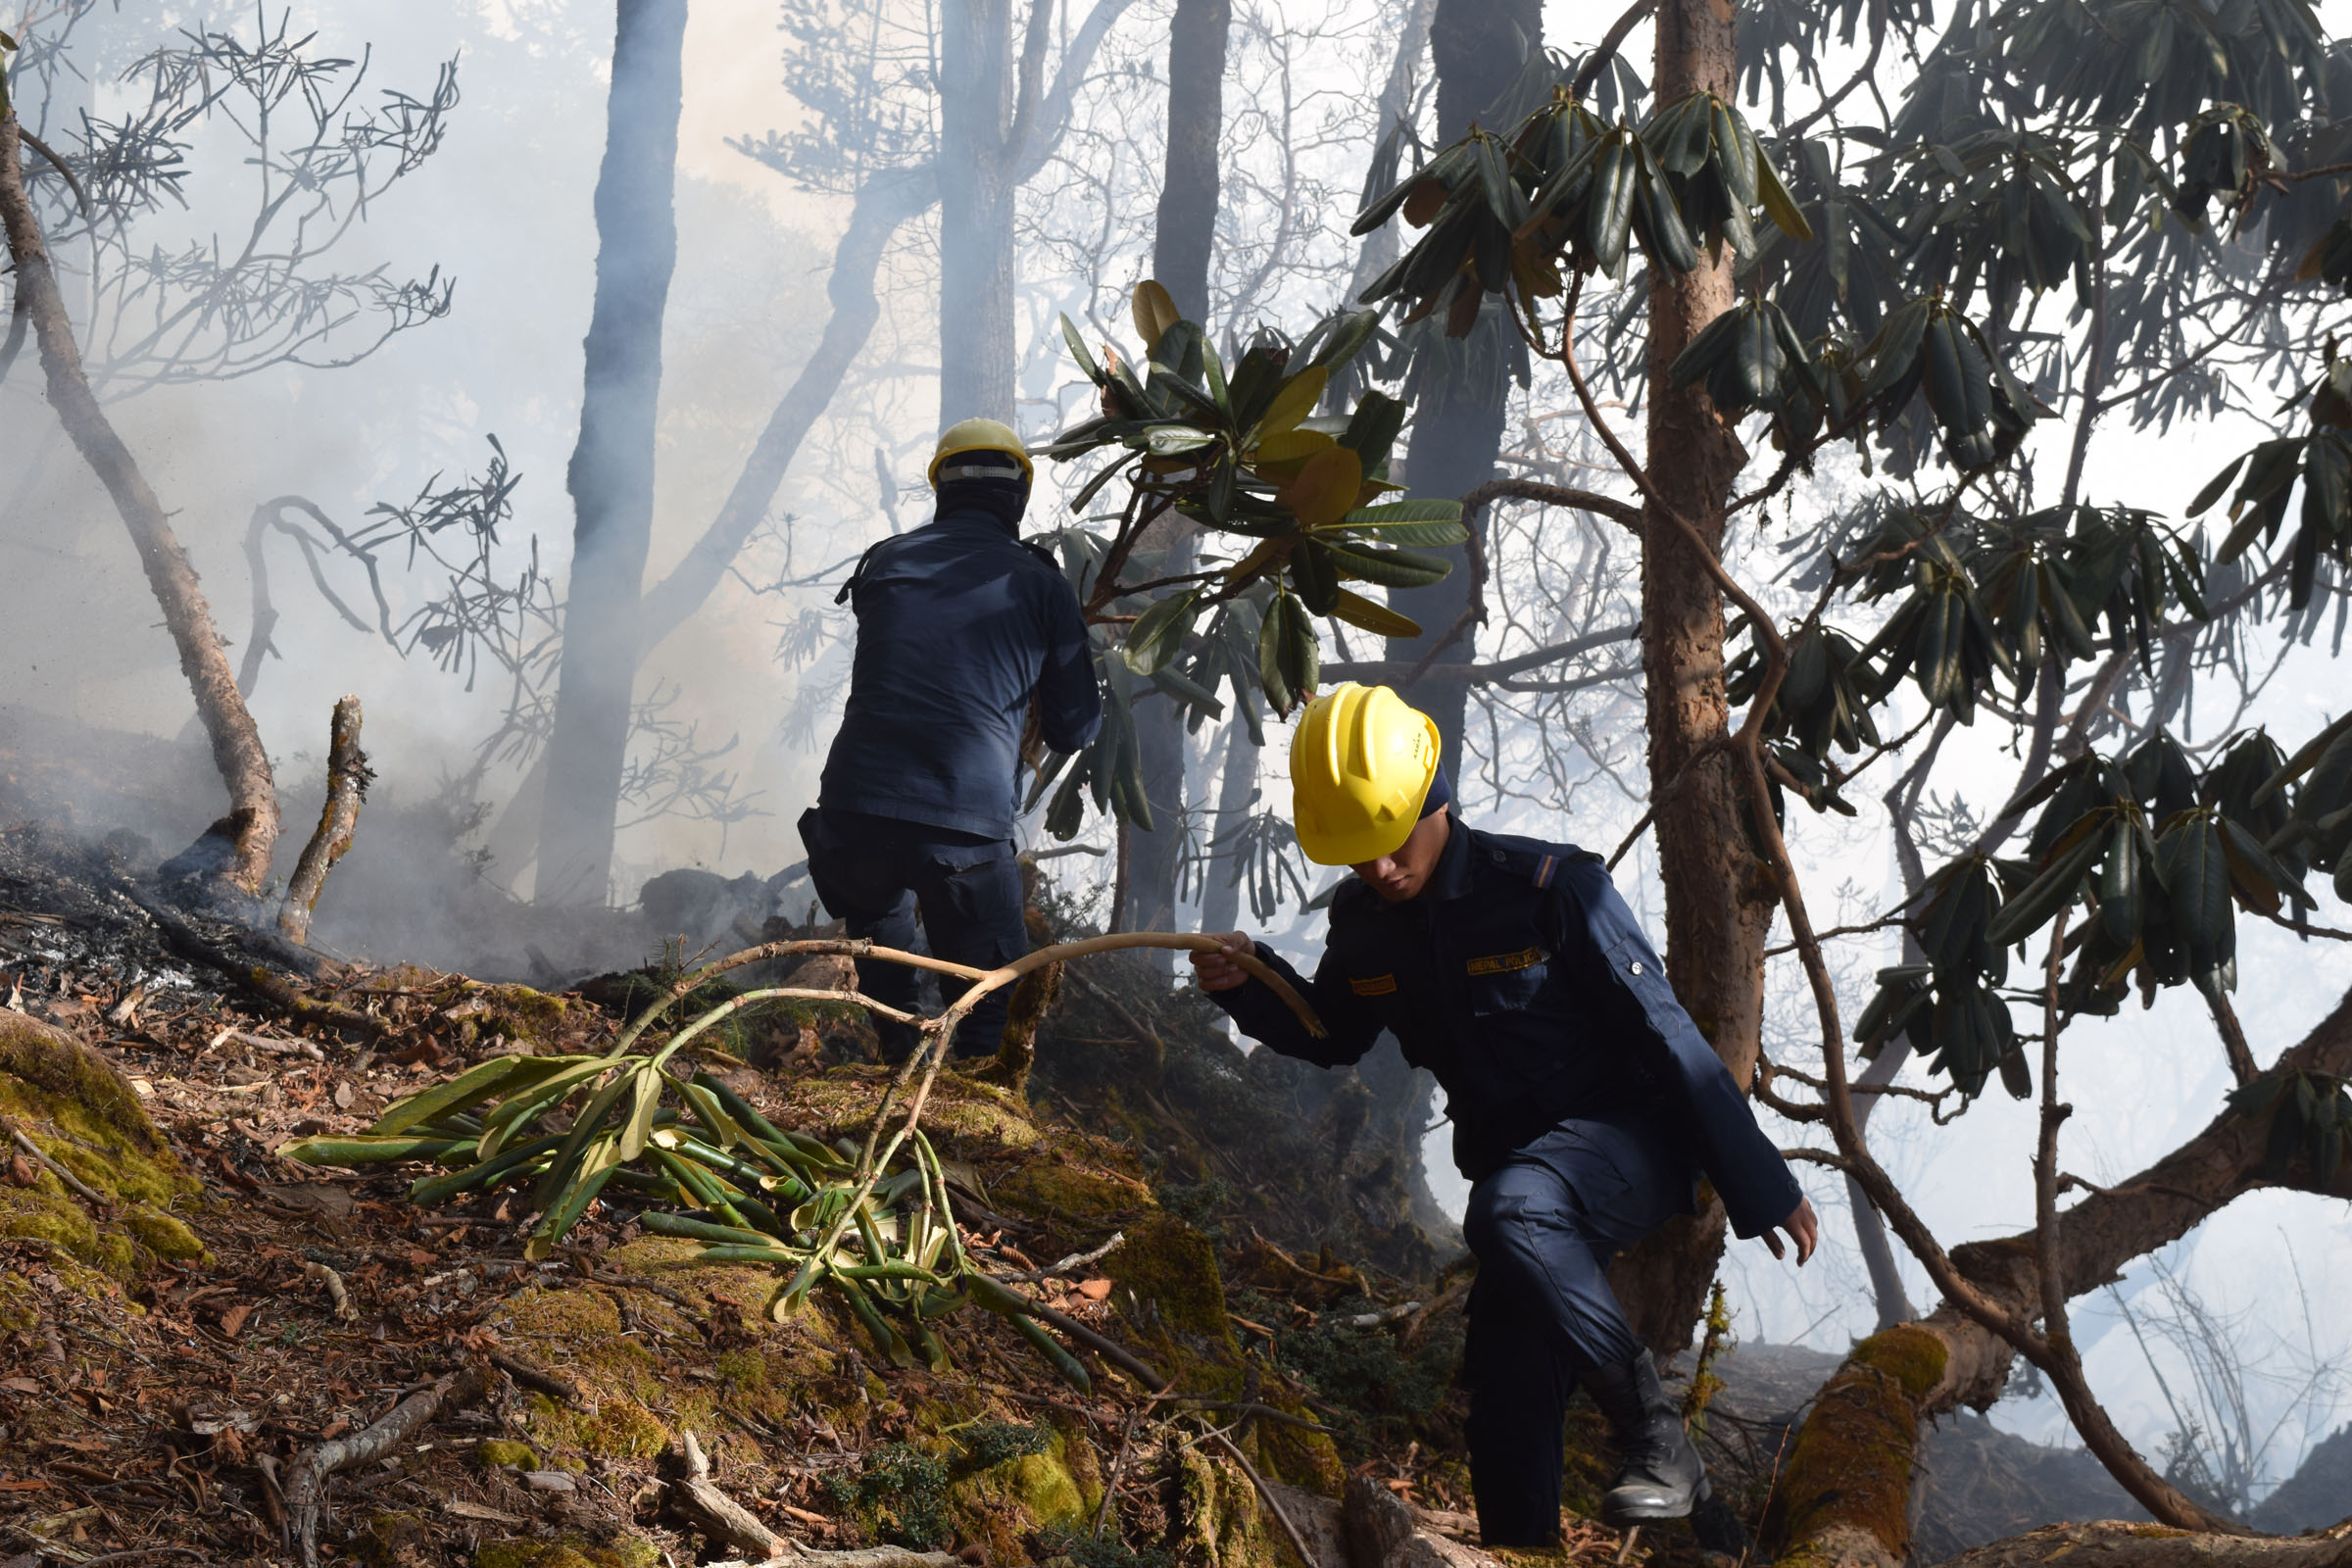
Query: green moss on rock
[[573, 1551], [1219, 1523], [163, 1234], [391, 1539], [492, 1453], [1050, 1186], [82, 1115]]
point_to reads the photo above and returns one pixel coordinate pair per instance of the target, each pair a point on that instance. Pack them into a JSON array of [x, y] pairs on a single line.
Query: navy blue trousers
[[1545, 1227], [876, 873]]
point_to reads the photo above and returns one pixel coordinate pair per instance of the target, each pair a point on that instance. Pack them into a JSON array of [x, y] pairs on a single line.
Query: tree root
[[306, 1486], [697, 1499], [721, 1519]]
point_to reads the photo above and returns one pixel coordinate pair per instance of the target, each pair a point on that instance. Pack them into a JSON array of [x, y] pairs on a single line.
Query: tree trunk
[[1181, 245], [1220, 895], [250, 827], [884, 204], [976, 189], [1719, 900], [1457, 427], [1180, 255], [1844, 1499], [612, 473]]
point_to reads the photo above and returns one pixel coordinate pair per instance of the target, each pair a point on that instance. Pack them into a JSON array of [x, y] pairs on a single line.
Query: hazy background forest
[[456, 270]]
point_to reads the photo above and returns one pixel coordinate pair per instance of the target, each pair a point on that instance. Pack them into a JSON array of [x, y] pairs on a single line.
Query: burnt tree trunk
[[251, 826], [1844, 1499], [611, 472], [1180, 255], [1719, 900]]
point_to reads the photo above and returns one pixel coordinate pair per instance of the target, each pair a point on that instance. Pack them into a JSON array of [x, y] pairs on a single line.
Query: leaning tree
[[2074, 219], [162, 308]]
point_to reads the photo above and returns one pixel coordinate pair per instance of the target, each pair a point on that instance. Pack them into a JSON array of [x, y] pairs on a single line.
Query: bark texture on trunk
[[1220, 895], [1181, 247], [251, 826], [976, 189], [2112, 1543], [347, 779], [1457, 428], [1719, 899], [611, 472], [1844, 1499]]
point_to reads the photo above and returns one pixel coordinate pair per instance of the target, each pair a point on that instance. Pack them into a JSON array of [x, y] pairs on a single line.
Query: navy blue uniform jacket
[[958, 623], [1521, 980]]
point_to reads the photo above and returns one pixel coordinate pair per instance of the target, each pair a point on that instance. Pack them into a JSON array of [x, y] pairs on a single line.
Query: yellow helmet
[[1360, 766], [979, 435]]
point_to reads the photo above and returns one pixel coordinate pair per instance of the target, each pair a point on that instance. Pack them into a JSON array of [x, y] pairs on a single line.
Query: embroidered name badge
[[1379, 985], [1504, 962]]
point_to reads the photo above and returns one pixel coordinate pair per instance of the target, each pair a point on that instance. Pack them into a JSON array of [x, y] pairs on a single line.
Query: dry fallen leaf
[[235, 1318], [1094, 1290]]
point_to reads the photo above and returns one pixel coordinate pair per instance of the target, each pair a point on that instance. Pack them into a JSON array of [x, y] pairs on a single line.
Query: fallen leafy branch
[[879, 1230]]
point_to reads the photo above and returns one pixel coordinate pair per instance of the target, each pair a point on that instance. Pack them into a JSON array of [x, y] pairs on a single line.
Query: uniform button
[[1634, 967], [1497, 857]]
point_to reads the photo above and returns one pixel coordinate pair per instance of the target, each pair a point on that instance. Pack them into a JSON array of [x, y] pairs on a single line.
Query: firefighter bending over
[[1585, 1103]]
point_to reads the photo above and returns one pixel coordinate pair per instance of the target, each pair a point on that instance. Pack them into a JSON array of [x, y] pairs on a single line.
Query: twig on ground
[[534, 1377], [1066, 1268], [335, 1289], [306, 1489], [72, 1182]]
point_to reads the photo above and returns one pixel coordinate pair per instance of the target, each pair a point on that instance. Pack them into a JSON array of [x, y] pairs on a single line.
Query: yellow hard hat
[[979, 435], [1360, 766]]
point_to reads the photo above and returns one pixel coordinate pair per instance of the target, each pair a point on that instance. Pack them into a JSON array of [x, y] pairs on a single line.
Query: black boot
[[1661, 1475]]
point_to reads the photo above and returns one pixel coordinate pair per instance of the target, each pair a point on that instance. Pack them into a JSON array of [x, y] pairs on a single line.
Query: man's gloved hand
[[1216, 971], [1802, 1226]]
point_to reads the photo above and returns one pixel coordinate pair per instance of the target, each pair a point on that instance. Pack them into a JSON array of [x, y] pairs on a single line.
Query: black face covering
[[1004, 500]]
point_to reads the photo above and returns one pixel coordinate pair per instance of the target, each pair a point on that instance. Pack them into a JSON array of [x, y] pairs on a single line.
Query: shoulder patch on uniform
[[1372, 985], [1504, 962]]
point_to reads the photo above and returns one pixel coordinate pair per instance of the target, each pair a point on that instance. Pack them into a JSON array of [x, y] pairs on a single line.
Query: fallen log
[[1843, 1498], [306, 1483], [2109, 1544]]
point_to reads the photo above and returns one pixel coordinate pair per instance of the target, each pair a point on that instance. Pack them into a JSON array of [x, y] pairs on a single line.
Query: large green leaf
[[470, 1088]]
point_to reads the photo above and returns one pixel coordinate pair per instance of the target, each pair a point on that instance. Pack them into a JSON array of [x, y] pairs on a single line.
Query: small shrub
[[1085, 1551]]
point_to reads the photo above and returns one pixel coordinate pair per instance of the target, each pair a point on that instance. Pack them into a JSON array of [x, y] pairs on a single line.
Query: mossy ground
[[658, 1345], [81, 1114]]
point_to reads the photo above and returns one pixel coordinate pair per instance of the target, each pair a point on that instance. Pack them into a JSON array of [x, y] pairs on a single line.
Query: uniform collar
[[978, 520], [1450, 878]]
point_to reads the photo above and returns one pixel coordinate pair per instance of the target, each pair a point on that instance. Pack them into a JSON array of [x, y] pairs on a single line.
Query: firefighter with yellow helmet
[[961, 626], [1585, 1105]]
